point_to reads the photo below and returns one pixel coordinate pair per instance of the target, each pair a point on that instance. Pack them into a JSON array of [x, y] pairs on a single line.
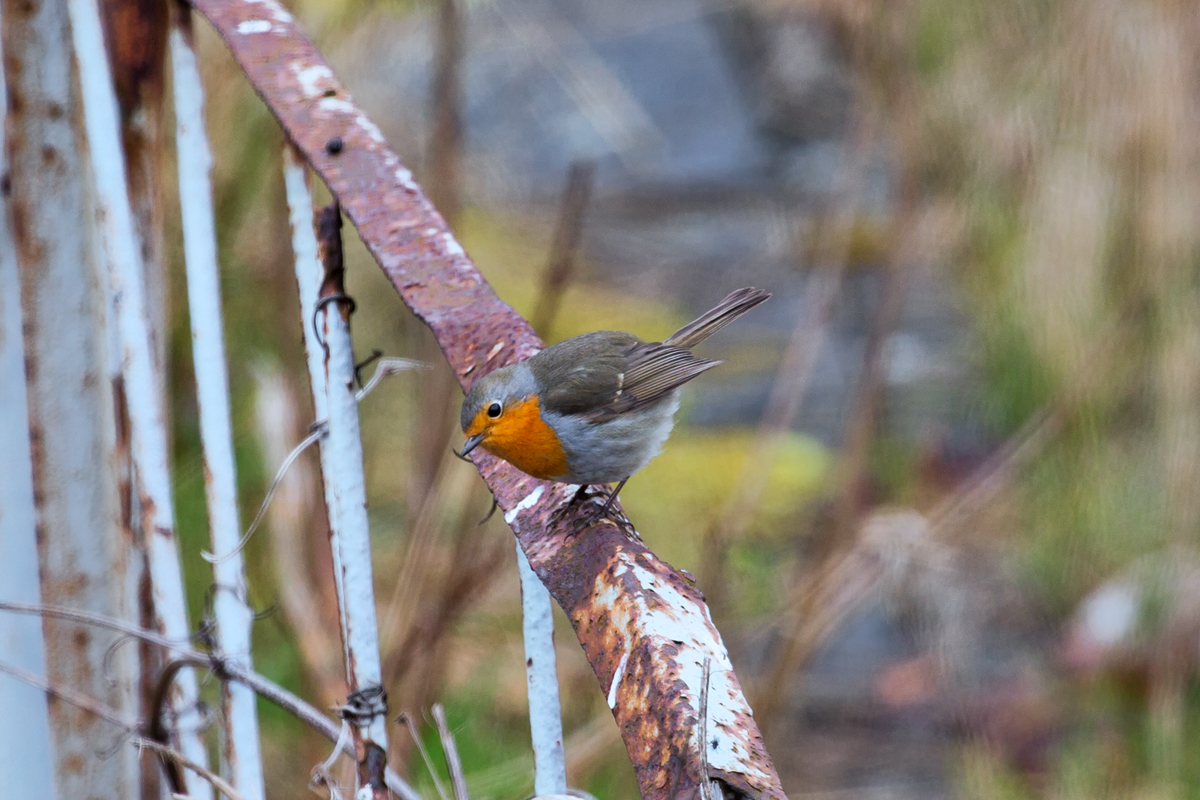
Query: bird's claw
[[594, 512], [491, 511]]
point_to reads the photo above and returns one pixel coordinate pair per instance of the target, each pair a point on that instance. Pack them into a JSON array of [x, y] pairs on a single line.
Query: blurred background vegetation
[[943, 496]]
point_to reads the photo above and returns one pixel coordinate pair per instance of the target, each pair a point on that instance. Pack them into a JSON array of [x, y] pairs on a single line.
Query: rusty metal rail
[[645, 630]]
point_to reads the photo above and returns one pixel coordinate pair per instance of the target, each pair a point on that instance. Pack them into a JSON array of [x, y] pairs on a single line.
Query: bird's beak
[[472, 443]]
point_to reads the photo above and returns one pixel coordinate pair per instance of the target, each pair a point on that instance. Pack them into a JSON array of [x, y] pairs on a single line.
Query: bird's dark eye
[[494, 410]]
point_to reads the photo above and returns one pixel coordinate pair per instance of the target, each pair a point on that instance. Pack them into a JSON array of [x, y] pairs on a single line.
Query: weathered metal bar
[[331, 370], [541, 679], [27, 768], [240, 747], [147, 414], [73, 407], [645, 630]]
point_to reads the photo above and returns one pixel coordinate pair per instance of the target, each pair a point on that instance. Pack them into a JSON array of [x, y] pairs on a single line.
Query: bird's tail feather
[[725, 312]]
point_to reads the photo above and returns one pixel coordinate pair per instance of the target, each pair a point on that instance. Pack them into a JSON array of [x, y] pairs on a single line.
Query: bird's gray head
[[490, 397]]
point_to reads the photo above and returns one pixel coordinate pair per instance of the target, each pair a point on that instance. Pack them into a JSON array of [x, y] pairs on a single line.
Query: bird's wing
[[581, 374], [602, 375], [653, 370]]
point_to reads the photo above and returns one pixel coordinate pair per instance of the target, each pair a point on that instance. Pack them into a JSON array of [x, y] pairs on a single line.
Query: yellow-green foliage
[[684, 492], [513, 259]]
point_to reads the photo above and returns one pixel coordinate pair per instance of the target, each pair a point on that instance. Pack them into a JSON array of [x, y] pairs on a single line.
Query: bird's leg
[[611, 499], [592, 517]]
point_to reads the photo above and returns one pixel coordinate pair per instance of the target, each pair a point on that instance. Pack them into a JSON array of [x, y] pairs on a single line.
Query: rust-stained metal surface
[[645, 630], [120, 250], [135, 37], [84, 557], [27, 767]]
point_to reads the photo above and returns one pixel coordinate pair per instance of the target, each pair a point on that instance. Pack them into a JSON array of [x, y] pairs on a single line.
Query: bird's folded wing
[[651, 371]]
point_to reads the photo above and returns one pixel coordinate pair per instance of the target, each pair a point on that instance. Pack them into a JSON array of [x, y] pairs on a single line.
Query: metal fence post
[[74, 407], [25, 734], [541, 678], [331, 371], [240, 746], [147, 413]]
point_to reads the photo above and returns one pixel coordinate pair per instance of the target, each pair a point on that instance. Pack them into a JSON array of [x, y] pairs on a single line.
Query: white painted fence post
[[73, 405], [26, 767], [147, 412], [541, 678], [241, 752], [331, 371]]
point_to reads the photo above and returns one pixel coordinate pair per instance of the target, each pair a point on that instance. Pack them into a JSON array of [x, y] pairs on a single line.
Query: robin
[[595, 408]]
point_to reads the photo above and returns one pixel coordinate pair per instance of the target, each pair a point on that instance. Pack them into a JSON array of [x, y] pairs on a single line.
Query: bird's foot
[[596, 512]]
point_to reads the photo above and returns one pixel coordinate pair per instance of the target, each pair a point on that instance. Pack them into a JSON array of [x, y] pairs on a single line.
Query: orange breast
[[522, 438]]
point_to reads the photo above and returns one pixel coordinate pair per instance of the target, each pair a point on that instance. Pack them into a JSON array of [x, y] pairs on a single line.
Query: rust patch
[[135, 32], [635, 617]]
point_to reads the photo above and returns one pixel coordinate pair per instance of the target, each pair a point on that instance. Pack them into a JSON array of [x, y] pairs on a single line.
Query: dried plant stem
[[457, 779], [795, 369], [560, 266], [68, 695], [290, 522], [406, 720], [183, 761], [445, 135]]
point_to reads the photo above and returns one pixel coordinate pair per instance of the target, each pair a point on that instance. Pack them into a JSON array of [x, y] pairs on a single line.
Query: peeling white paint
[[616, 681], [673, 619], [336, 104], [314, 79], [254, 26], [371, 128], [405, 177], [528, 502], [452, 245]]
